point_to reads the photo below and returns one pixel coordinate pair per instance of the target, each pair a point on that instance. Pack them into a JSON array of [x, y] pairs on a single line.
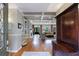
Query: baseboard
[[14, 51]]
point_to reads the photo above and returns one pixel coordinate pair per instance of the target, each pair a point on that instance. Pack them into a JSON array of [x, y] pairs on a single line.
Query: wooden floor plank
[[30, 47]]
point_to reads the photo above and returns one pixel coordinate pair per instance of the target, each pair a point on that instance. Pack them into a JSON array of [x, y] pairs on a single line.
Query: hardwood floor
[[30, 47]]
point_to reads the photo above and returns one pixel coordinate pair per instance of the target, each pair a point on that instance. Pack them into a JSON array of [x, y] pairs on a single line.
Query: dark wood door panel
[[68, 24]]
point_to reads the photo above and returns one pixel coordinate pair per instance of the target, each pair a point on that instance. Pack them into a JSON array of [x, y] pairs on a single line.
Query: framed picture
[[19, 26]]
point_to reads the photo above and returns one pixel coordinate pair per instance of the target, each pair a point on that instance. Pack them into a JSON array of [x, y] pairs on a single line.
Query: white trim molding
[[14, 50]]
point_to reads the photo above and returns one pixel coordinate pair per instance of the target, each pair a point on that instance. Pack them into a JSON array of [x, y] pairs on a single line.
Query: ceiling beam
[[39, 13]]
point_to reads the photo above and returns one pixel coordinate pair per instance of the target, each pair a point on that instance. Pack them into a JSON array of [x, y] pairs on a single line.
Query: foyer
[[39, 29]]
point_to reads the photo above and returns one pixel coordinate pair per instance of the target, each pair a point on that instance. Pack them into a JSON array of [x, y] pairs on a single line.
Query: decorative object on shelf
[[19, 26]]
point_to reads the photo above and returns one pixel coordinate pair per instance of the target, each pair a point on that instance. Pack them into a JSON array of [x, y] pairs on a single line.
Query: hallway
[[29, 28]]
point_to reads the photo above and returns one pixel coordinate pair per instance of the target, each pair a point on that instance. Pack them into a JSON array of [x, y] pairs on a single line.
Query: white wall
[[15, 34]]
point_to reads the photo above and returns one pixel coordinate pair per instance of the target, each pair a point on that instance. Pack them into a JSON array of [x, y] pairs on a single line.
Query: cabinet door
[[69, 28]]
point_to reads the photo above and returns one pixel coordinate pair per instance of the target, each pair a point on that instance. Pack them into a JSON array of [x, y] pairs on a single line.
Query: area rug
[[36, 54]]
